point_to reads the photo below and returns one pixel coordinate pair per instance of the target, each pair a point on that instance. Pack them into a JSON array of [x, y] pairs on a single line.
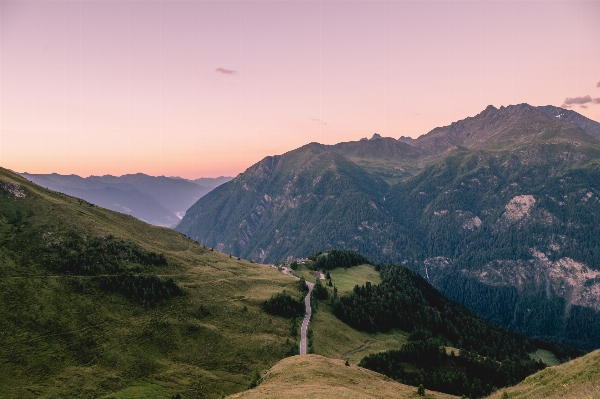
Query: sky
[[208, 88]]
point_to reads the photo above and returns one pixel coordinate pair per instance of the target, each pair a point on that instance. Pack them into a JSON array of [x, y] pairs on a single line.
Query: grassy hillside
[[579, 378], [63, 335], [313, 376]]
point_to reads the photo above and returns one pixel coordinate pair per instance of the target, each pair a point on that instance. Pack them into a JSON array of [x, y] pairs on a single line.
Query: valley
[[118, 308]]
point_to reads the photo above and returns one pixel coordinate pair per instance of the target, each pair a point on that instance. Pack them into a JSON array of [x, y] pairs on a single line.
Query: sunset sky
[[206, 88]]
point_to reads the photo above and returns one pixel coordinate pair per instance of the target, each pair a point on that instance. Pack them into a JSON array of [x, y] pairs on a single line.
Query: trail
[[304, 328]]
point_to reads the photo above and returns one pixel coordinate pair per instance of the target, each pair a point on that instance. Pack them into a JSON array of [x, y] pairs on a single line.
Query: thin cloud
[[598, 84], [317, 120], [225, 71], [581, 101]]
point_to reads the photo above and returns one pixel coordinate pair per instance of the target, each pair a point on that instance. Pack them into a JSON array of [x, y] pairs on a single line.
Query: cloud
[[581, 101], [225, 71], [598, 84], [583, 106], [320, 122]]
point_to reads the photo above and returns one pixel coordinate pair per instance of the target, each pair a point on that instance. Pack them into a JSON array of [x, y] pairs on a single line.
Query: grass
[[579, 378], [58, 340], [546, 356], [344, 279], [337, 340], [313, 376]]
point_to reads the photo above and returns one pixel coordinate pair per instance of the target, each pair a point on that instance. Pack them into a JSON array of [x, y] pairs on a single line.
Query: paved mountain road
[[304, 328]]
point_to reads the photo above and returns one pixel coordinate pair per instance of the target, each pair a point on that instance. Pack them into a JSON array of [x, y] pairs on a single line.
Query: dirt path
[[304, 328]]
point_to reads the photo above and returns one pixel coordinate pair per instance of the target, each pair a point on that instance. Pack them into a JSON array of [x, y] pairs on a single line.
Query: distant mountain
[[157, 200], [500, 211], [211, 182]]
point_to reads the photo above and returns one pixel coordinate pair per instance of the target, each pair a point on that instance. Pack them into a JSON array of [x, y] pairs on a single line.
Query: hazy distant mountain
[[157, 200], [211, 181], [501, 211]]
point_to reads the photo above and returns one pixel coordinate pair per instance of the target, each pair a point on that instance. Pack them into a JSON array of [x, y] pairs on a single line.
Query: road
[[304, 328]]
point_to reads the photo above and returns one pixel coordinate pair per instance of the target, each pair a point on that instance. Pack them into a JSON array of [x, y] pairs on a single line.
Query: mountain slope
[[579, 378], [387, 158], [90, 307], [305, 200], [517, 230]]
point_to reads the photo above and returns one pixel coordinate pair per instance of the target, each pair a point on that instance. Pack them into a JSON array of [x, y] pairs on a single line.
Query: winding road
[[304, 328]]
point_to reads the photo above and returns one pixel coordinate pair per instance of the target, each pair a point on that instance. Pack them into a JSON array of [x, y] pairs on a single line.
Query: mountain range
[[499, 211], [158, 200], [96, 303]]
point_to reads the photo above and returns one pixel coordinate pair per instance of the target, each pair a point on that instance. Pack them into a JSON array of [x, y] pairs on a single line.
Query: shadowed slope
[[294, 204]]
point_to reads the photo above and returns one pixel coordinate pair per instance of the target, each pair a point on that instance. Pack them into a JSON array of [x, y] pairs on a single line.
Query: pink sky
[[205, 88]]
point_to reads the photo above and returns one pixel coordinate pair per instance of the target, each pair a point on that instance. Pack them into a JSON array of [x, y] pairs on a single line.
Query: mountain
[[499, 211], [95, 303], [157, 200], [211, 182], [299, 202]]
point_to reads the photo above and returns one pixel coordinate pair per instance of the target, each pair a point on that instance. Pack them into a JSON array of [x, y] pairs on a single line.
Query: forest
[[406, 301]]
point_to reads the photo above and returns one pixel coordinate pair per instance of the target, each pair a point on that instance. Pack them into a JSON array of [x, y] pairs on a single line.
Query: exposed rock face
[[12, 189], [519, 207], [572, 280]]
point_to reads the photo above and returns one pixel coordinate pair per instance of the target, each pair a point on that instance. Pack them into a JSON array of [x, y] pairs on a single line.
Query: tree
[[421, 390], [319, 290], [294, 265], [347, 363], [302, 285]]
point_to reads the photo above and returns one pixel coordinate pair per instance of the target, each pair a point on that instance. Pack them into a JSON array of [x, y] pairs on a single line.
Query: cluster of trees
[[320, 291], [99, 255], [467, 374], [282, 304], [404, 300], [114, 264], [148, 290], [302, 285], [337, 258]]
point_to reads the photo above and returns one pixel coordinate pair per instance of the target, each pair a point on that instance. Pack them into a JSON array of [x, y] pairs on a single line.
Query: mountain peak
[[513, 125], [376, 136]]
